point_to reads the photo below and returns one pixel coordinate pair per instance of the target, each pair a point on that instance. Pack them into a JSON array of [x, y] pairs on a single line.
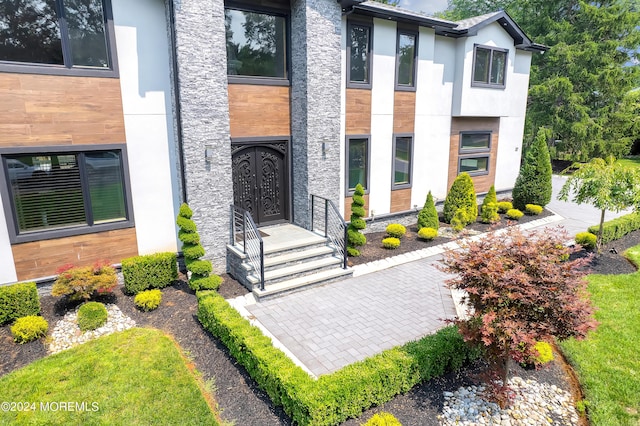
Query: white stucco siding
[[434, 94], [509, 152], [143, 56], [382, 98], [7, 266], [486, 101]]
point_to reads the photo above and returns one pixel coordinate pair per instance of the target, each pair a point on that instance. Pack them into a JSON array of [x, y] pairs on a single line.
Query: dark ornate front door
[[260, 181]]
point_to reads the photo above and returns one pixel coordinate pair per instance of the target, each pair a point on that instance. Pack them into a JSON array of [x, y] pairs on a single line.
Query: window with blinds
[[52, 191]]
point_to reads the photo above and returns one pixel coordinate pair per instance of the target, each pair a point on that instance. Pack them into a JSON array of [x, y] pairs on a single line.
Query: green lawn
[[608, 361], [630, 161], [135, 377]]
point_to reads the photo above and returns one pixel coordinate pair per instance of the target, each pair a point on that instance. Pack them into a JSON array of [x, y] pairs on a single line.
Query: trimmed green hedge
[[332, 398], [18, 300], [151, 271], [617, 228]]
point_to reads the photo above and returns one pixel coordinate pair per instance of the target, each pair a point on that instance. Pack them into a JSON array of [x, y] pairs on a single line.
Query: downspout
[[176, 98]]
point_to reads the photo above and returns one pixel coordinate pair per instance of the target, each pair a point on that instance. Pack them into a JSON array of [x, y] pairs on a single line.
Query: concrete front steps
[[294, 259]]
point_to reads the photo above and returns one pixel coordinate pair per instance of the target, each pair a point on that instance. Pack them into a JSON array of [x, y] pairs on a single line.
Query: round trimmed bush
[[514, 214], [533, 209], [353, 252], [92, 315], [545, 353], [586, 240], [427, 233], [192, 251], [148, 300], [29, 328], [504, 206], [187, 225], [200, 267], [391, 243], [383, 419], [396, 230], [356, 238], [212, 282], [188, 237]]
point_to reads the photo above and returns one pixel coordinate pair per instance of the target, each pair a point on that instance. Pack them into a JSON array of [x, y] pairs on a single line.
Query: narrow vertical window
[[359, 53], [402, 159], [357, 163], [406, 58]]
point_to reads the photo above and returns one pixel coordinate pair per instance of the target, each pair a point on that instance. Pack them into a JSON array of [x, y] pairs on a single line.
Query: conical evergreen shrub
[[192, 250], [533, 185], [461, 196], [356, 239], [489, 210], [428, 216]]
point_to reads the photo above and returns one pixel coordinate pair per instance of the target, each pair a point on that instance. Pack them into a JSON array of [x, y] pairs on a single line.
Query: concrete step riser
[[311, 258], [302, 274], [297, 289], [271, 254]]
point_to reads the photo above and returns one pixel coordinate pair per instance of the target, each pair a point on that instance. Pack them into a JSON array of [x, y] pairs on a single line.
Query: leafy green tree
[[428, 216], [606, 184], [533, 185], [578, 88], [355, 238], [461, 196]]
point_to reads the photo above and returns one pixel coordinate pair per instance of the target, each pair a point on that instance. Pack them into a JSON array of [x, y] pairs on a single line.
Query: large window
[[489, 66], [359, 54], [402, 161], [256, 44], [65, 191], [406, 60], [62, 35], [357, 163]]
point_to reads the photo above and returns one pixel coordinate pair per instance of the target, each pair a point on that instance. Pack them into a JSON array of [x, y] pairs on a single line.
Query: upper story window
[[62, 193], [406, 56], [359, 55], [489, 66], [56, 36], [256, 44]]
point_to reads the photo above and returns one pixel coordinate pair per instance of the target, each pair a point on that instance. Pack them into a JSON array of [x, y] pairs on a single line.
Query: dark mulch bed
[[373, 250], [237, 394]]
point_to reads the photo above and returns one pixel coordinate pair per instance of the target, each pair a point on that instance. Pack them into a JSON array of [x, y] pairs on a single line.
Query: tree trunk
[[600, 231]]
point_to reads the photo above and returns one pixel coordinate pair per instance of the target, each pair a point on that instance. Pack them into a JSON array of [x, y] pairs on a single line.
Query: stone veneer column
[[202, 72], [315, 102]]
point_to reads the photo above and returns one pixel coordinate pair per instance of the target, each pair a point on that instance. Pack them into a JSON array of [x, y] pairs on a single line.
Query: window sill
[[59, 70], [69, 232], [402, 88], [473, 174], [487, 85], [395, 187], [358, 85], [258, 81]]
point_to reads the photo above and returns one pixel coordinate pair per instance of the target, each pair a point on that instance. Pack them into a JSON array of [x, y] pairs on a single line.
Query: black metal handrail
[[326, 217], [244, 228]]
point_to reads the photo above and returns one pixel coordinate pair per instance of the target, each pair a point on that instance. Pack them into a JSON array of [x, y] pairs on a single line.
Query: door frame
[[273, 142]]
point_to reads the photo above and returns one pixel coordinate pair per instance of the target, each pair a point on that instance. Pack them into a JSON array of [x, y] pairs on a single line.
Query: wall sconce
[[208, 153]]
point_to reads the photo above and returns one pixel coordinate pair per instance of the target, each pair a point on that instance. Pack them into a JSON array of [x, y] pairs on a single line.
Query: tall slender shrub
[[428, 216], [489, 210], [192, 250], [461, 196], [355, 238], [533, 185]]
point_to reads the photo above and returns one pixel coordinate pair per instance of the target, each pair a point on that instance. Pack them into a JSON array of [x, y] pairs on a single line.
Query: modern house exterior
[[113, 112]]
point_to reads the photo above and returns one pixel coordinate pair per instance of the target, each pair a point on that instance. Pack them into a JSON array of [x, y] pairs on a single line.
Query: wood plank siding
[[44, 110], [347, 206], [482, 183], [358, 112], [43, 258], [258, 111], [400, 200], [404, 112]]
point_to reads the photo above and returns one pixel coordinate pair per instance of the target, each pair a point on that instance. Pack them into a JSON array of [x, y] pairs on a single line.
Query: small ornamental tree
[[533, 185], [489, 210], [520, 289], [354, 236], [607, 185], [428, 216], [461, 196]]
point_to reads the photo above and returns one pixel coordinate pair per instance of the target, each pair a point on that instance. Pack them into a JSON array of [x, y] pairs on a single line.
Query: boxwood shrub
[[586, 240], [335, 397], [18, 300], [396, 230], [618, 227], [92, 315], [514, 214], [29, 328], [391, 243], [151, 271], [148, 300]]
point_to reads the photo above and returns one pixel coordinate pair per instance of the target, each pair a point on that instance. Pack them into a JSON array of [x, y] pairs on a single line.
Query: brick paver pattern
[[331, 326]]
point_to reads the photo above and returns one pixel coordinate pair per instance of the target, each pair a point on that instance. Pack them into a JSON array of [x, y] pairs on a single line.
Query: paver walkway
[[387, 303], [331, 326]]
